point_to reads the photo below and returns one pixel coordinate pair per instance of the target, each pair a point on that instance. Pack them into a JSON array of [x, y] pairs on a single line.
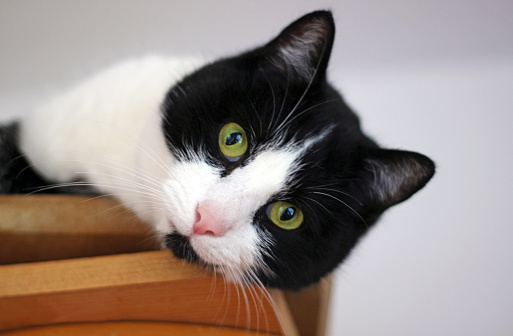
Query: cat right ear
[[392, 176], [303, 48]]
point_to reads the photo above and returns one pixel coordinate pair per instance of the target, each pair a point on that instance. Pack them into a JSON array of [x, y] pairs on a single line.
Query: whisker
[[310, 82], [126, 169], [237, 316], [155, 158], [339, 200], [228, 297], [57, 185], [282, 126], [130, 182], [257, 300], [152, 238], [320, 204], [248, 309], [212, 290], [80, 183], [273, 95], [92, 198], [76, 183], [334, 190], [17, 158], [284, 99], [123, 205], [271, 301], [256, 113]]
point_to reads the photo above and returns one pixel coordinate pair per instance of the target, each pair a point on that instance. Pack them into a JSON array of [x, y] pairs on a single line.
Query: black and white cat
[[252, 165]]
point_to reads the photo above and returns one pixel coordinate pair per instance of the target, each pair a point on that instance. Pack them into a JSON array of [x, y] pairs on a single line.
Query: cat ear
[[392, 176], [304, 47]]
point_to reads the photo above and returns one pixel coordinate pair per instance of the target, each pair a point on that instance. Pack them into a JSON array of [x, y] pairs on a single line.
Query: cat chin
[[238, 254], [238, 247], [212, 252]]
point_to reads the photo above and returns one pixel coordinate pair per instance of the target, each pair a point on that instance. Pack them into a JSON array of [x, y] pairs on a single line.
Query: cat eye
[[232, 141], [285, 215]]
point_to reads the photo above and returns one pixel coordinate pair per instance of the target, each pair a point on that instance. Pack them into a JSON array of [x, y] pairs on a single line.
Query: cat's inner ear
[[392, 176], [304, 47]]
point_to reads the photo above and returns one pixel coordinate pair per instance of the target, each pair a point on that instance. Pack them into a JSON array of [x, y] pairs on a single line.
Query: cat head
[[274, 181]]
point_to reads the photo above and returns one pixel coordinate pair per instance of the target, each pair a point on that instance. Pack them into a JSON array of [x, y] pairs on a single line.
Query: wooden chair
[[76, 265]]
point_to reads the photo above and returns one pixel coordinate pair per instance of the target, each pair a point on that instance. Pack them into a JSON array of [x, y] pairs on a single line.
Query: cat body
[[251, 165], [106, 129]]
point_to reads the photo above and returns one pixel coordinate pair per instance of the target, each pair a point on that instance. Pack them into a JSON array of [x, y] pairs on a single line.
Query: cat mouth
[[181, 247]]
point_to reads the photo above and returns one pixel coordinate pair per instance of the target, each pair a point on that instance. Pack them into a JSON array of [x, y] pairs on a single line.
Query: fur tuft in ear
[[304, 47], [396, 175]]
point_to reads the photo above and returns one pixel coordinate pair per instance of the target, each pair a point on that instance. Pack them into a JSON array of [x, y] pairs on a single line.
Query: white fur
[[104, 130], [108, 132], [232, 200]]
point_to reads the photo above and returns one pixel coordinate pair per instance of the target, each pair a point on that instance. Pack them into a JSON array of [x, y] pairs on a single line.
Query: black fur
[[17, 175], [257, 90], [181, 247]]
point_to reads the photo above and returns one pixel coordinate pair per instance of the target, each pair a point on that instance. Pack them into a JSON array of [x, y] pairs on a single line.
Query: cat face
[[274, 182]]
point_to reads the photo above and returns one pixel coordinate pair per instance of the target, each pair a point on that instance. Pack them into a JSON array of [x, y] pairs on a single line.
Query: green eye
[[232, 141], [285, 215]]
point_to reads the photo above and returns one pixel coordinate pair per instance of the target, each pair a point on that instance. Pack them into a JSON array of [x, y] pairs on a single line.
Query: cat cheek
[[163, 226], [185, 187]]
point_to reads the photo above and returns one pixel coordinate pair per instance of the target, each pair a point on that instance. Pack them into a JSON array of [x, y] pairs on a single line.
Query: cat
[[251, 165]]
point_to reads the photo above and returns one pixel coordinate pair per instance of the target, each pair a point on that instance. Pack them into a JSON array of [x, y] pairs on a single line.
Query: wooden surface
[[39, 228], [309, 307], [145, 286], [131, 329]]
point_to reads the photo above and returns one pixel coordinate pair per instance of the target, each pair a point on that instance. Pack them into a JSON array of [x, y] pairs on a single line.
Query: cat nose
[[207, 224]]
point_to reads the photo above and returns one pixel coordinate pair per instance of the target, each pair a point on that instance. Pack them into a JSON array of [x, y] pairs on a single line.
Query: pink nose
[[207, 224]]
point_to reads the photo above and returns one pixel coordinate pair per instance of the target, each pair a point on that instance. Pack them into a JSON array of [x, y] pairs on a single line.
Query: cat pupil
[[288, 214], [233, 138]]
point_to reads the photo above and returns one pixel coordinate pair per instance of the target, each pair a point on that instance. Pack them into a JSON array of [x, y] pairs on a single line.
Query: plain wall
[[431, 76]]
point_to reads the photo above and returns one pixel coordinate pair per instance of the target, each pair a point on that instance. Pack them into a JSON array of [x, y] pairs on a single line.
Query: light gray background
[[433, 76]]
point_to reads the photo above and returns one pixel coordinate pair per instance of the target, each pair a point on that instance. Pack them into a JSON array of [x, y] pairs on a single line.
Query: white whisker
[[273, 95], [132, 172], [334, 190], [320, 204], [129, 182], [339, 200], [284, 100], [283, 126]]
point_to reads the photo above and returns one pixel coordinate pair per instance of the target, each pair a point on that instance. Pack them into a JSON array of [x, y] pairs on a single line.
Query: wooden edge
[[96, 272], [147, 286], [131, 329], [325, 301], [309, 307], [287, 320]]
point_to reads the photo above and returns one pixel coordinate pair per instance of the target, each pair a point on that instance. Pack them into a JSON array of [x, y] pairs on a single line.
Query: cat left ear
[[304, 47], [392, 176]]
